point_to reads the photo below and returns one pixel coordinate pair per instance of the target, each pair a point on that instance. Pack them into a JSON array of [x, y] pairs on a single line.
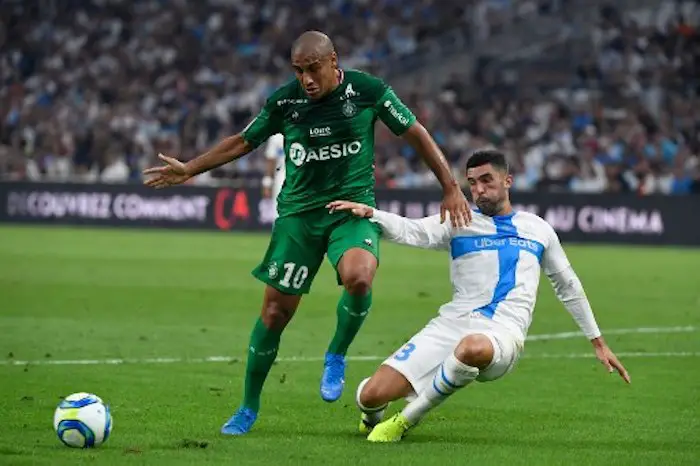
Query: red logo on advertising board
[[230, 207]]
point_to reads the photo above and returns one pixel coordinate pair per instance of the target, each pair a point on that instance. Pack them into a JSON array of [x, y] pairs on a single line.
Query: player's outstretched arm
[[426, 232], [453, 201], [608, 359], [176, 172], [402, 122], [570, 292], [264, 125]]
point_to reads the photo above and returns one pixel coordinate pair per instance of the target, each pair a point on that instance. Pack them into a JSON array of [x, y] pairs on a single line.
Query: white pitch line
[[619, 331], [219, 359], [635, 354]]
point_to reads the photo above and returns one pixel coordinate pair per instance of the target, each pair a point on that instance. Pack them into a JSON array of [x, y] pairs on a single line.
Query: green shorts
[[300, 241]]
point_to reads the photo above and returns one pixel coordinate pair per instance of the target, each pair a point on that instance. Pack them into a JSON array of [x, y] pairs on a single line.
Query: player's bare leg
[[277, 310], [356, 268], [472, 354], [375, 393]]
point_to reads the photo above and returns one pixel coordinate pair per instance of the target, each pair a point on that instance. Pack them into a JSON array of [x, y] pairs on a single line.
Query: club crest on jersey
[[272, 270], [295, 116], [349, 109]]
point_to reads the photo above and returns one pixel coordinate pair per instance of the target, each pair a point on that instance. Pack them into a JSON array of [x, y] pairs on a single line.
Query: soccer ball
[[82, 420]]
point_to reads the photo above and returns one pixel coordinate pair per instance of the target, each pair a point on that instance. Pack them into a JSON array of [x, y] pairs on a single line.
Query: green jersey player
[[327, 118]]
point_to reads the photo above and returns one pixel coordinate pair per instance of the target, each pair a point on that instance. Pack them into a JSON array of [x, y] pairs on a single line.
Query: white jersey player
[[274, 174], [479, 335]]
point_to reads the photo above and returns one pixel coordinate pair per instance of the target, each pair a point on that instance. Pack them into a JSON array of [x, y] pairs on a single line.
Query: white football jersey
[[495, 265], [275, 150]]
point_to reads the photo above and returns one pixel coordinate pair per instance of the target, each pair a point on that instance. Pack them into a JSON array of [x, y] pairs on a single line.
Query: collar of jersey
[[503, 217], [497, 217]]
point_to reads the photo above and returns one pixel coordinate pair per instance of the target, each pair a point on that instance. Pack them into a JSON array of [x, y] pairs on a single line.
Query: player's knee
[[385, 386], [375, 394], [475, 351], [274, 316], [358, 283]]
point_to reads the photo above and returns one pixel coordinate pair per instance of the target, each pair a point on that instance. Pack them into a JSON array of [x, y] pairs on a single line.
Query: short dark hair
[[486, 156]]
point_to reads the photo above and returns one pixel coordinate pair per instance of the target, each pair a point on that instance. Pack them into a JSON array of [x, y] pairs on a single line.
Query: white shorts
[[419, 358]]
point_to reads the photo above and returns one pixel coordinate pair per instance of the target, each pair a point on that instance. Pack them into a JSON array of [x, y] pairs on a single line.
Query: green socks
[[352, 311], [264, 343], [262, 352]]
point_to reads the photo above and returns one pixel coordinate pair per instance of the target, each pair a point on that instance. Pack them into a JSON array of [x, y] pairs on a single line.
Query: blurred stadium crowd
[[93, 89]]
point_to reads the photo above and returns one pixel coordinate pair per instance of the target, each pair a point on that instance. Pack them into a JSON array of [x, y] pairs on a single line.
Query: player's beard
[[490, 207]]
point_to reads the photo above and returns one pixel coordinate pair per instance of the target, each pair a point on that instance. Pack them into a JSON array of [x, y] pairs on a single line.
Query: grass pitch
[[163, 302]]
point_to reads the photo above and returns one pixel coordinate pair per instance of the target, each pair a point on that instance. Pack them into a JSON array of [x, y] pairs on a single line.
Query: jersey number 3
[[405, 352]]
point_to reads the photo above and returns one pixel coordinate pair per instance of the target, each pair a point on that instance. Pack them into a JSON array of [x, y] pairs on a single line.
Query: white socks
[[371, 416], [449, 377]]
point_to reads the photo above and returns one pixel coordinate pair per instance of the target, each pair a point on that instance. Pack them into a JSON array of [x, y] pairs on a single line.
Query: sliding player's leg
[[375, 393], [288, 269], [353, 249], [482, 355], [406, 372]]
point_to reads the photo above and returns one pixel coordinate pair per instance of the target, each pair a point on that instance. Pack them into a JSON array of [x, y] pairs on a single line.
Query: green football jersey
[[329, 142]]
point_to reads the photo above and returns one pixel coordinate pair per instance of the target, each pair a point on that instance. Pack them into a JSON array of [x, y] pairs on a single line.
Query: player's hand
[[355, 208], [456, 204], [610, 361], [172, 173]]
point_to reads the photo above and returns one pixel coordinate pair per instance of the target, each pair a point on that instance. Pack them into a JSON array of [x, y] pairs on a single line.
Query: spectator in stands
[[94, 89]]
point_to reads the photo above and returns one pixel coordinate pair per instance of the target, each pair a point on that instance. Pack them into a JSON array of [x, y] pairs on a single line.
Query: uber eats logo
[[299, 154]]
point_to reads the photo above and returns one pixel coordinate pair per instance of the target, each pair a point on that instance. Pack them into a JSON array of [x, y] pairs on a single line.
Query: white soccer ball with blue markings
[[82, 420]]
